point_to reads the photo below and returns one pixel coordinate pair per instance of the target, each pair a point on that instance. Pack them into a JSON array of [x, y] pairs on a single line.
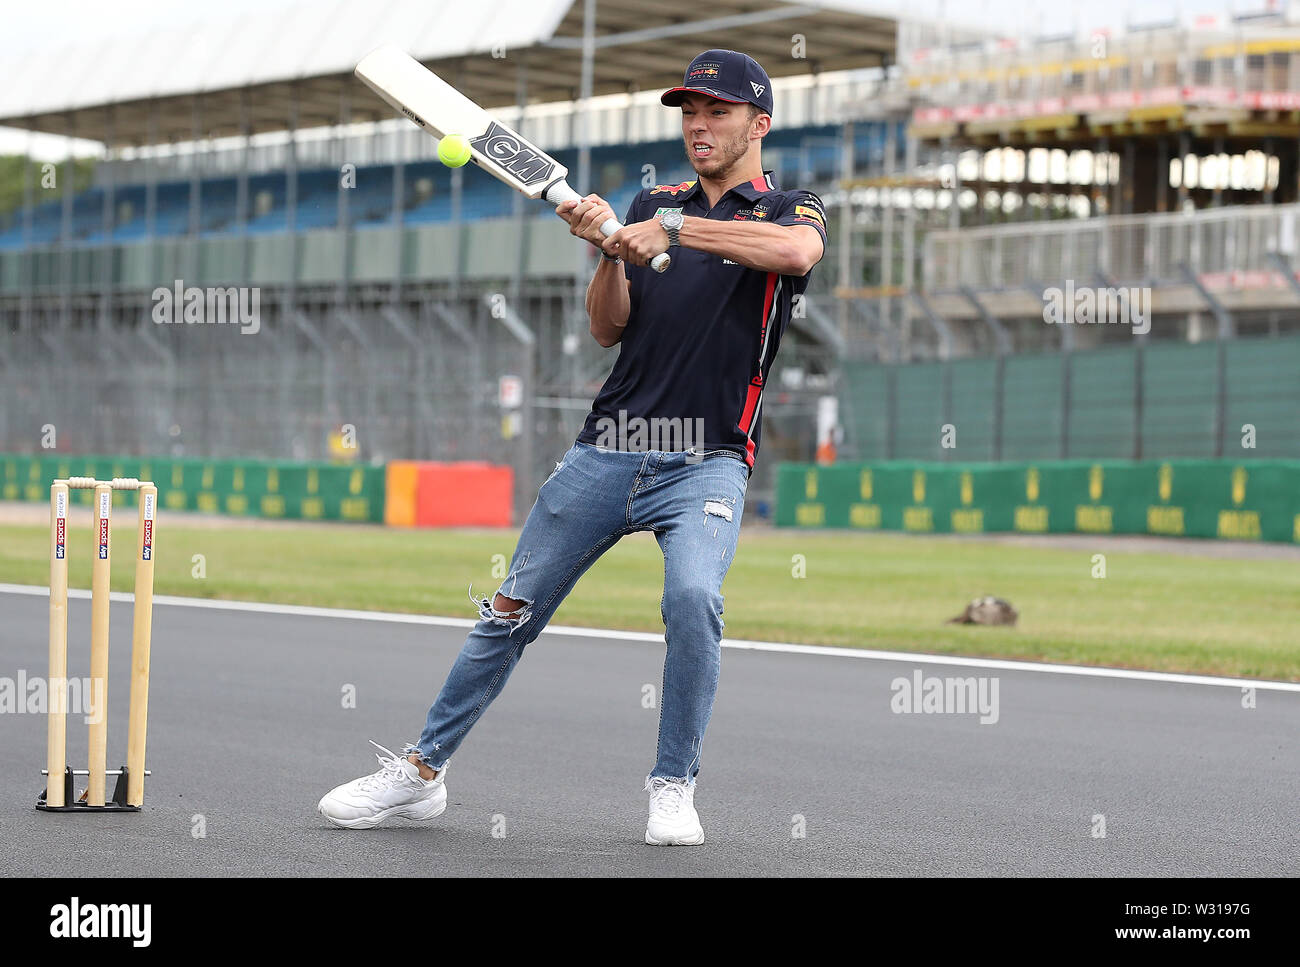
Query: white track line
[[913, 658]]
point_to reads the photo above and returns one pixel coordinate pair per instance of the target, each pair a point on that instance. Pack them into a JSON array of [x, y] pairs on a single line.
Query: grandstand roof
[[183, 81]]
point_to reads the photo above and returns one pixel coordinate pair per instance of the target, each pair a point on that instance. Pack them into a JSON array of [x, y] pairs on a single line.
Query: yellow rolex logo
[[810, 485], [918, 486], [1031, 484], [865, 484], [1238, 484], [1095, 477], [967, 488], [1166, 481]]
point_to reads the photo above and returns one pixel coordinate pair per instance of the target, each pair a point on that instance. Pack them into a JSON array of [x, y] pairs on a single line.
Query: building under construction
[[1151, 171]]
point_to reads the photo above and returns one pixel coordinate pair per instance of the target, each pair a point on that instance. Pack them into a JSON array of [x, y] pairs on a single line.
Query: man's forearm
[[755, 245], [608, 302]]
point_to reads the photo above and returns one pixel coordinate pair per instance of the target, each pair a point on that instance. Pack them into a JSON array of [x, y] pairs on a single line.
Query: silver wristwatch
[[672, 221]]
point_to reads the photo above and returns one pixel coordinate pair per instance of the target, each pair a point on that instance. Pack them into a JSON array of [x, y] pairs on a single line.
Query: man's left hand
[[639, 242]]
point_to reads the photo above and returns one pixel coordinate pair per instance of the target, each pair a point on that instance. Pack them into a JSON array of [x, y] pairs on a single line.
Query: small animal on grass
[[986, 611]]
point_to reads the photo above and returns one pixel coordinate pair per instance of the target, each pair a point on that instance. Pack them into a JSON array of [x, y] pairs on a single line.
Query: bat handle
[[562, 191]]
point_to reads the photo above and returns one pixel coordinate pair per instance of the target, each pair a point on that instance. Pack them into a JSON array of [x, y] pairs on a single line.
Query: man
[[697, 345]]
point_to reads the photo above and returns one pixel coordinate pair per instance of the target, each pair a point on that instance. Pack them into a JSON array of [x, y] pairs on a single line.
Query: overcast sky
[[34, 27]]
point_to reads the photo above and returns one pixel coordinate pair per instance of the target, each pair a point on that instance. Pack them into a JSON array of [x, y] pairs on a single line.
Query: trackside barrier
[[1241, 500], [238, 488], [401, 493]]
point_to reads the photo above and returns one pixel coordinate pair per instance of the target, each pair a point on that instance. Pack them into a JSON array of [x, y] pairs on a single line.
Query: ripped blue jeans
[[693, 504]]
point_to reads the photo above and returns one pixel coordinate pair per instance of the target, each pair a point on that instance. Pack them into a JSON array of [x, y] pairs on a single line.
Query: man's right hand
[[585, 218]]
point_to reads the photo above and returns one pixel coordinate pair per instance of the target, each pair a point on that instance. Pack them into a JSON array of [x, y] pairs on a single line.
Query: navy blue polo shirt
[[701, 337]]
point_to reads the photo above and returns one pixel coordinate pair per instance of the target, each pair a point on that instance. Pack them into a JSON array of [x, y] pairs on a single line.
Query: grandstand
[[395, 292], [257, 201], [965, 174], [1164, 156]]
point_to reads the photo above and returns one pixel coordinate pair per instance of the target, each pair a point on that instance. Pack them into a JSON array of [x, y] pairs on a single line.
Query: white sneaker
[[673, 819], [395, 790]]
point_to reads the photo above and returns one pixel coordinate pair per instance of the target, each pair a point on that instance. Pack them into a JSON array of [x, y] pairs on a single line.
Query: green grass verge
[[1153, 610]]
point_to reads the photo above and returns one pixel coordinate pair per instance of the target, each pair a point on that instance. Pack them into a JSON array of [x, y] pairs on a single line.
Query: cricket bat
[[440, 109]]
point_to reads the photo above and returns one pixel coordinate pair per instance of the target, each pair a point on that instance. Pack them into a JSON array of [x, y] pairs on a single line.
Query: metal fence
[[415, 378], [1144, 249]]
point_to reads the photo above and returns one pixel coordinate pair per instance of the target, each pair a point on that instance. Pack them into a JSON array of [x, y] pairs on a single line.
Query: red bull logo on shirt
[[671, 189]]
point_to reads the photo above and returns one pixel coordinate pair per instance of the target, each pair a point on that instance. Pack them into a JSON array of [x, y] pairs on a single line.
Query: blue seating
[[616, 173]]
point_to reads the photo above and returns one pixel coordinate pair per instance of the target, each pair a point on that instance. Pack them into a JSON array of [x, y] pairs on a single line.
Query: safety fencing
[[1252, 500], [1128, 401]]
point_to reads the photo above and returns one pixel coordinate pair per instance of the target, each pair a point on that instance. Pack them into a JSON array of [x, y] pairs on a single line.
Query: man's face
[[718, 134]]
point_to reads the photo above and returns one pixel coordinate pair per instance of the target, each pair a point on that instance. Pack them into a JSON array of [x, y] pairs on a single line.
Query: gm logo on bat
[[413, 116], [513, 154]]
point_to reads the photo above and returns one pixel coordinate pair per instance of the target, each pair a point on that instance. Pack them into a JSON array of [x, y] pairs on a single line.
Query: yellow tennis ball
[[453, 151]]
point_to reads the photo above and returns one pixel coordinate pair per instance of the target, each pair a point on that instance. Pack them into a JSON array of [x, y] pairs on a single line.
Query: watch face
[[672, 218]]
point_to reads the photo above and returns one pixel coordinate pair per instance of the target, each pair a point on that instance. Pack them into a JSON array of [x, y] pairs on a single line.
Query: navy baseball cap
[[727, 75]]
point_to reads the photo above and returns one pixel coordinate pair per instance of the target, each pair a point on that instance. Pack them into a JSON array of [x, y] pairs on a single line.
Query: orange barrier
[[456, 495], [400, 479]]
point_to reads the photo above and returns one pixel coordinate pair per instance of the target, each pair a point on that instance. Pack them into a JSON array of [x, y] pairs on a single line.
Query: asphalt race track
[[248, 728]]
